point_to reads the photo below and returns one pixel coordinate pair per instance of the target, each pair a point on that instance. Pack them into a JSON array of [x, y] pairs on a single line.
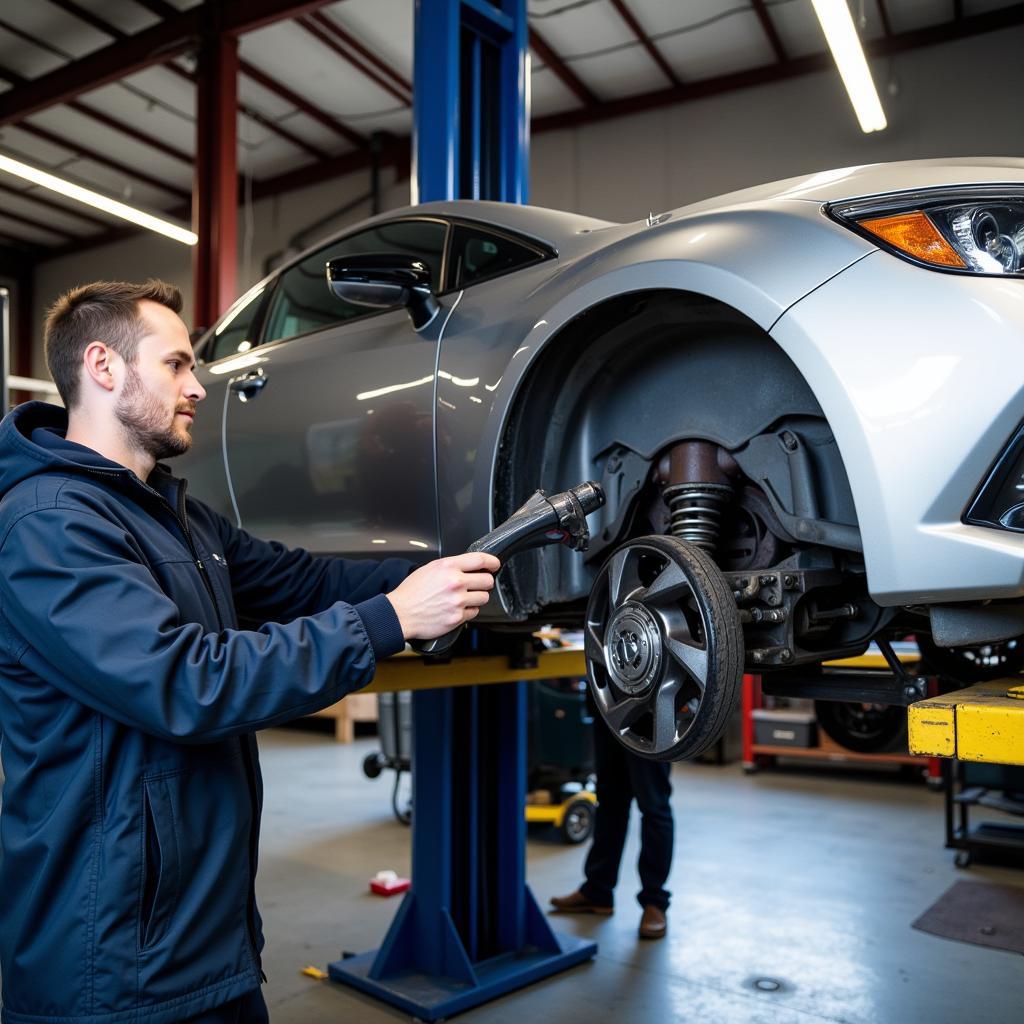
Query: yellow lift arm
[[985, 722]]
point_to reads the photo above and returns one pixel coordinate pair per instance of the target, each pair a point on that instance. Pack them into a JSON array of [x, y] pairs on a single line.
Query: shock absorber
[[697, 491]]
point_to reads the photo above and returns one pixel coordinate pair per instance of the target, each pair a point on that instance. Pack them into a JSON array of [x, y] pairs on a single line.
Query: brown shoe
[[653, 924], [577, 903]]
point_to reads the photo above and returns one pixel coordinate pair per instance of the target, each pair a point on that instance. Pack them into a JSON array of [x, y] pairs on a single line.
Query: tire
[[863, 728], [578, 823], [664, 648]]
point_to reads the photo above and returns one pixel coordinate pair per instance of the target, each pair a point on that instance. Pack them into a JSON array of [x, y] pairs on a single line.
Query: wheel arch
[[577, 397]]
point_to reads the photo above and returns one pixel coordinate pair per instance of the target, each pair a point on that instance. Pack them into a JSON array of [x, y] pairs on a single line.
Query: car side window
[[304, 303], [234, 333], [478, 254]]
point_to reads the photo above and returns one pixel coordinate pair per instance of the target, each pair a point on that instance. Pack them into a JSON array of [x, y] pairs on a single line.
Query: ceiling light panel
[[800, 30]]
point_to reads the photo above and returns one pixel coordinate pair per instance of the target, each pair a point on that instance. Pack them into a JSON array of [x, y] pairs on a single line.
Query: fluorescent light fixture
[[848, 54], [95, 199]]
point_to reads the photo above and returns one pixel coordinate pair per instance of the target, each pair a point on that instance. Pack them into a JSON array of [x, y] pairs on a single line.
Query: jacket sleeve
[[270, 581], [89, 618]]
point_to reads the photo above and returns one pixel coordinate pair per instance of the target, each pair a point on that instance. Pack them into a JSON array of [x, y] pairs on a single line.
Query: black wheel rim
[[646, 648], [577, 822]]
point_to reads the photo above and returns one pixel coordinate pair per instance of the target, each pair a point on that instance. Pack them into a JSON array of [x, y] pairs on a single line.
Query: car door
[[329, 428]]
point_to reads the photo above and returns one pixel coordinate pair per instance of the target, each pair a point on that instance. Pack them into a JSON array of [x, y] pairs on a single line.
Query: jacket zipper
[[243, 741]]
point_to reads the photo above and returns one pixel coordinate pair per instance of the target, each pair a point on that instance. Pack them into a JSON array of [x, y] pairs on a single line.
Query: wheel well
[[704, 371]]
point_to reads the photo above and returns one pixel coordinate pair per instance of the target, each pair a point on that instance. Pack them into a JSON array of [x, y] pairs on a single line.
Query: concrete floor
[[808, 878]]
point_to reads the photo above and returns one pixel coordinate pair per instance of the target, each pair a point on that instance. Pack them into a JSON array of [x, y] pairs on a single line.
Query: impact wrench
[[544, 519]]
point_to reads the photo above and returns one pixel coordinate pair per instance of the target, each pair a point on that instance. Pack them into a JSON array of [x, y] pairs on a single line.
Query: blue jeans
[[622, 777]]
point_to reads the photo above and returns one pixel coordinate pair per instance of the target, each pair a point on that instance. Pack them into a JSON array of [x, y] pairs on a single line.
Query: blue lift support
[[469, 930]]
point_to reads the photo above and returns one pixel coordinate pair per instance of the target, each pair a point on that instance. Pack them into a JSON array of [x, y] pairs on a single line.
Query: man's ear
[[99, 361]]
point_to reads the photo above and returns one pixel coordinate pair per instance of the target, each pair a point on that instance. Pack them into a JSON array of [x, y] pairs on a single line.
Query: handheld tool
[[544, 519]]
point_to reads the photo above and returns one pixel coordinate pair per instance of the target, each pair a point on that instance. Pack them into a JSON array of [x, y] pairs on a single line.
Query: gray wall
[[957, 99]]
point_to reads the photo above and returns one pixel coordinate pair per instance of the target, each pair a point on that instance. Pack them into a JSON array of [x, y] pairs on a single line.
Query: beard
[[143, 420]]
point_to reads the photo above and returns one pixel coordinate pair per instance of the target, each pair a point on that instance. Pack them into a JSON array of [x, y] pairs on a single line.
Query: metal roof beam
[[98, 23], [301, 103], [628, 17], [160, 8], [65, 211], [155, 45], [761, 10], [883, 14], [562, 70], [977, 24], [351, 50], [31, 222], [102, 159]]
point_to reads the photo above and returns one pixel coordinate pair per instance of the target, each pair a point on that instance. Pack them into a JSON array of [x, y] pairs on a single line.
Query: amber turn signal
[[916, 235]]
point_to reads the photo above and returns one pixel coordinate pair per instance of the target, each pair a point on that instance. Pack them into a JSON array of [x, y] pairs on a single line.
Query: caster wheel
[[578, 824], [750, 769], [664, 648], [372, 766], [962, 859]]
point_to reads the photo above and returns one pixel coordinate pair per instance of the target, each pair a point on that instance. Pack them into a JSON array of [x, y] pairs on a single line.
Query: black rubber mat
[[982, 913]]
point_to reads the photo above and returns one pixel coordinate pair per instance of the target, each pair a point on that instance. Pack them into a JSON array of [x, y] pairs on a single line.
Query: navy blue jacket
[[128, 702]]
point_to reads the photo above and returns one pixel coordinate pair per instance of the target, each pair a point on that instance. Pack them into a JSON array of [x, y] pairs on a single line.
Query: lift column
[[469, 930]]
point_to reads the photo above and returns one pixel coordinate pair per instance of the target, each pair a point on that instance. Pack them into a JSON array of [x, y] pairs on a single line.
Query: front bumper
[[921, 377]]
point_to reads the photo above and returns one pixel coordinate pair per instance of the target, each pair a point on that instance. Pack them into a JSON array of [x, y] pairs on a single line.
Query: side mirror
[[383, 281]]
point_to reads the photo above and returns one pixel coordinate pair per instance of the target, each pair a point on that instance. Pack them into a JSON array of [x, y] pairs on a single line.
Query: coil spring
[[695, 512]]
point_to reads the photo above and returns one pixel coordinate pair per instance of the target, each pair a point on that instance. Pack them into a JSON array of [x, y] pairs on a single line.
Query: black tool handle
[[558, 519]]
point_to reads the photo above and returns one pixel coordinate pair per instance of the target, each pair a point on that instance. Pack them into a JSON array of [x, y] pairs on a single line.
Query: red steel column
[[215, 187]]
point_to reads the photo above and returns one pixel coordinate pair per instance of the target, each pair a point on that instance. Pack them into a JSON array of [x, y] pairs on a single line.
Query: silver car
[[804, 402]]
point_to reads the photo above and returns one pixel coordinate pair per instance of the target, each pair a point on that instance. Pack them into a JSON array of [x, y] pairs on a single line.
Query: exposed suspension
[[697, 490]]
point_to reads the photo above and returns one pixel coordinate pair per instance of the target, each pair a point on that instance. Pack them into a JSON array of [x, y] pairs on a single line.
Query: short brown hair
[[104, 311]]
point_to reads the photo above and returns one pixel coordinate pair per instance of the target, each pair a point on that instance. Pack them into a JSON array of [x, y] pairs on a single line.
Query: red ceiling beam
[[562, 70], [156, 45], [31, 222], [350, 49], [627, 16], [761, 10], [32, 197], [69, 7], [82, 108], [101, 158], [884, 15], [215, 193], [160, 8], [267, 122], [395, 152], [259, 117], [132, 132], [301, 103], [992, 21]]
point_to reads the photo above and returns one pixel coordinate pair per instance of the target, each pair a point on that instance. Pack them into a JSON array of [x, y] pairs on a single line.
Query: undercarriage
[[709, 573]]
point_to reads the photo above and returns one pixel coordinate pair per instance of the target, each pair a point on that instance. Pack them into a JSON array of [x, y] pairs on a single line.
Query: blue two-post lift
[[469, 930]]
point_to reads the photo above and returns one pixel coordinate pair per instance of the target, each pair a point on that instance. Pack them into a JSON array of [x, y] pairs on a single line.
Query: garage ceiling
[[313, 88]]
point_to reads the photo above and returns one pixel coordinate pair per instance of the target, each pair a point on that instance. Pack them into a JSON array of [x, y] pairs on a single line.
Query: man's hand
[[443, 594]]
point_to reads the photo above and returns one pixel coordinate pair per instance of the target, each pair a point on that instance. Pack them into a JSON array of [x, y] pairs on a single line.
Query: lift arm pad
[[985, 722]]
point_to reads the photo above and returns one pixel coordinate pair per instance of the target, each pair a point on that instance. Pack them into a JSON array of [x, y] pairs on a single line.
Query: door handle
[[248, 386]]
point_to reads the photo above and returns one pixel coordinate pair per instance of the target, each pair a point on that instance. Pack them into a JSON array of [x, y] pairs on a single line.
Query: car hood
[[872, 179]]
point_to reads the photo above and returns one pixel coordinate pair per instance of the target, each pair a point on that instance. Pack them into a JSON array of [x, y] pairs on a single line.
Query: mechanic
[[129, 696], [623, 777]]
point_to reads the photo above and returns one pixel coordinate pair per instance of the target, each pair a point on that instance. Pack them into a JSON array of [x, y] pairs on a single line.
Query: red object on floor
[[389, 887]]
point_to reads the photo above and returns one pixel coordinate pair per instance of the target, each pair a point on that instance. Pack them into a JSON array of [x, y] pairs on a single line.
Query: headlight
[[966, 231]]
